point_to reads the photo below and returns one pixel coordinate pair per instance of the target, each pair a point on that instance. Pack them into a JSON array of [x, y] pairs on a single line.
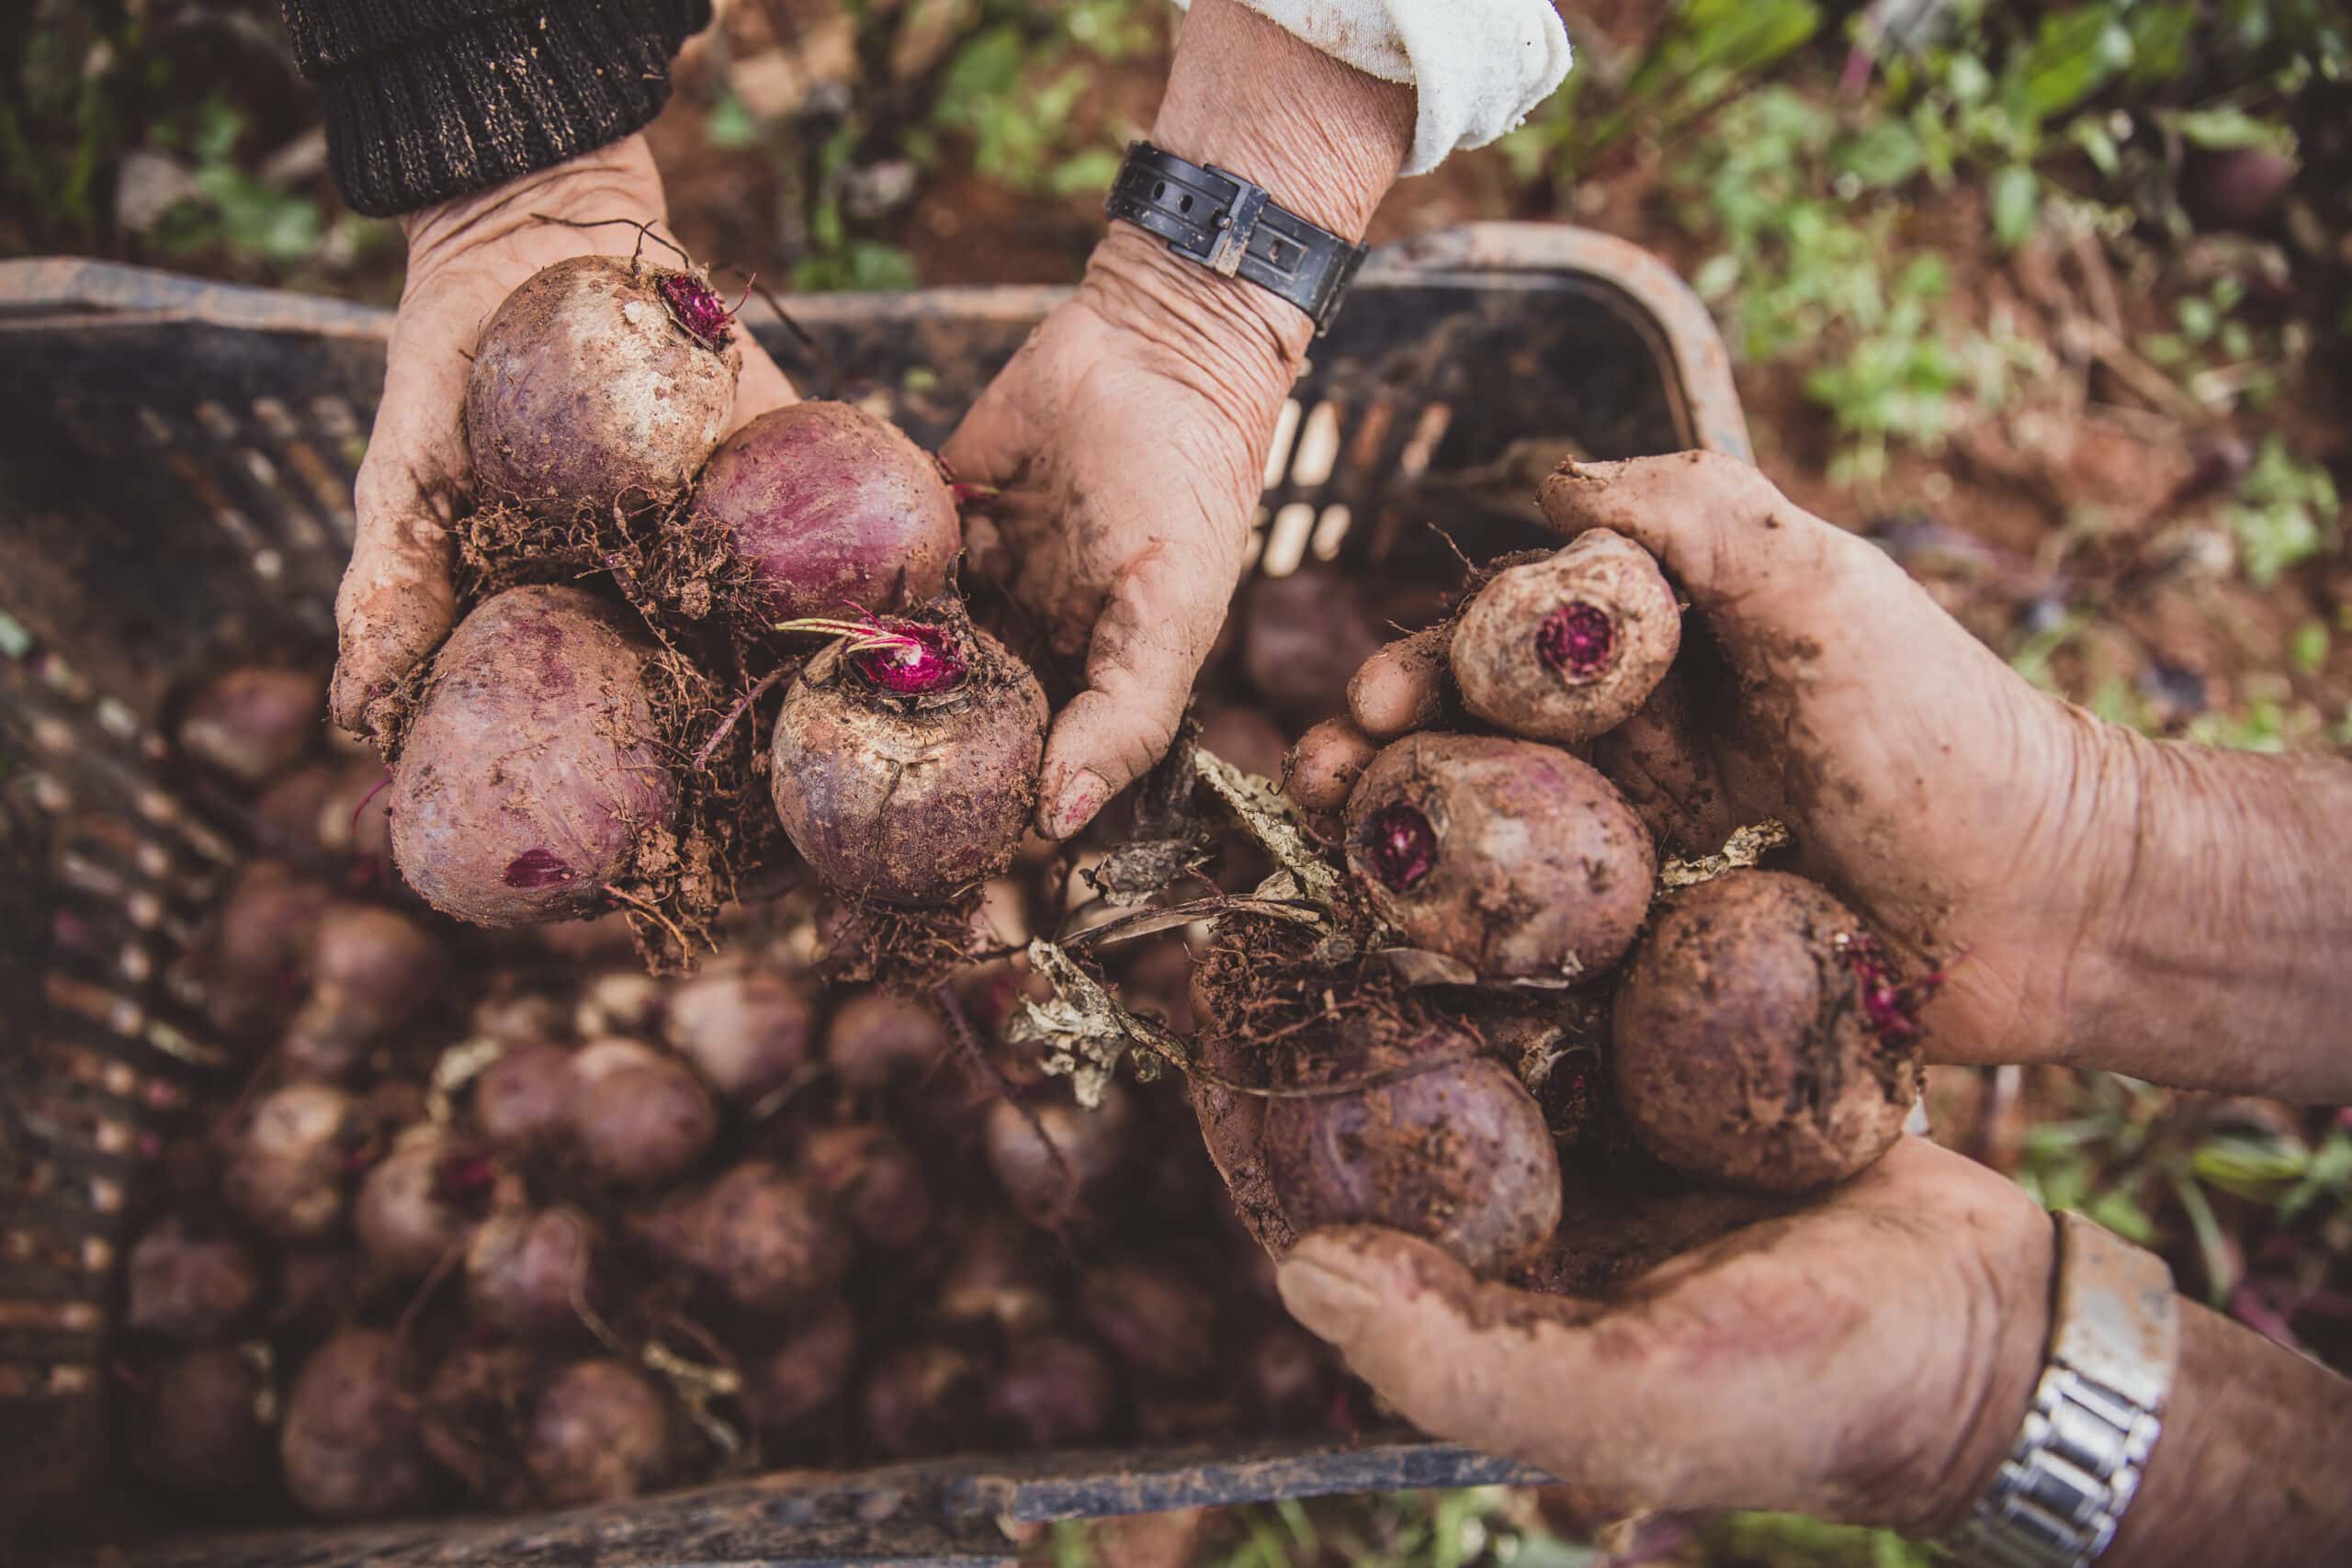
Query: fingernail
[[1330, 1304], [1081, 798]]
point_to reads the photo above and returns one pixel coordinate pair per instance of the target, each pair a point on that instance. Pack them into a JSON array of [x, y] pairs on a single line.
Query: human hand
[[1867, 1358], [1968, 815], [397, 600]]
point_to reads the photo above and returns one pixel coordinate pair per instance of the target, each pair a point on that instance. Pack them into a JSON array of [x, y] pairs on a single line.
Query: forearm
[[2252, 1468], [2221, 926], [1326, 141]]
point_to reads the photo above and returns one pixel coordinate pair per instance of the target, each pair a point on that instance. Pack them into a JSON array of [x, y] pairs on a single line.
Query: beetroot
[[639, 1117], [626, 1003], [907, 771], [419, 1206], [600, 382], [349, 1445], [1056, 1392], [924, 1398], [832, 509], [805, 1374], [354, 817], [1323, 768], [524, 1100], [1092, 1143], [599, 1431], [250, 972], [253, 721], [1290, 1376], [996, 1281], [872, 1179], [874, 1039], [762, 1238], [195, 1423], [514, 1016], [531, 773], [1763, 1036], [1568, 647], [1301, 638], [1510, 857], [1455, 1153], [1159, 1317], [184, 1285], [286, 1160], [372, 970], [745, 1023], [527, 1268]]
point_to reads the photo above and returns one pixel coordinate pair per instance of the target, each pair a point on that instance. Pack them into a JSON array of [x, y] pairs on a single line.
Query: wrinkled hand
[[397, 600], [1866, 1358], [1125, 441], [1968, 815]]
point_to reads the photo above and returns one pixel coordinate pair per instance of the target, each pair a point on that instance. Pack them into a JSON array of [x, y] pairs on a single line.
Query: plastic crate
[[176, 469]]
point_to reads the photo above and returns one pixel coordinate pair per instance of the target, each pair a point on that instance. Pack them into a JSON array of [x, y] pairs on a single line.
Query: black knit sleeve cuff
[[416, 116]]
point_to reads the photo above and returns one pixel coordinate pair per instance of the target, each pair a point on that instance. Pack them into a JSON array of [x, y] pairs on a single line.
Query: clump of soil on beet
[[1763, 1036], [904, 764]]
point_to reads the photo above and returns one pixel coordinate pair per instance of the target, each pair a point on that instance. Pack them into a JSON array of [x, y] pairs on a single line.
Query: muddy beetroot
[[287, 1165], [350, 1445], [761, 1237], [598, 383], [924, 1398], [1510, 857], [184, 1285], [532, 774], [1056, 1392], [251, 722], [195, 1423], [524, 1100], [805, 1374], [527, 1270], [417, 1209], [599, 1431], [906, 771], [1454, 1150], [744, 1022], [1091, 1144], [876, 1038], [872, 1179], [372, 970], [831, 509], [639, 1117], [1764, 1037], [1565, 647]]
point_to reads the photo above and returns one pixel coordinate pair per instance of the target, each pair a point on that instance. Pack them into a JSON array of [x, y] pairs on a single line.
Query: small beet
[[195, 1423], [254, 720], [875, 1038], [924, 1398], [745, 1023], [997, 1280], [183, 1285], [804, 1374], [250, 973], [420, 1205], [1323, 768], [598, 383], [909, 795], [531, 773], [1290, 1376], [872, 1179], [372, 970], [354, 817], [1092, 1145], [1302, 638], [831, 509], [1056, 1392], [1510, 857], [519, 1018], [524, 1100], [287, 1165], [1567, 648], [625, 1002], [1158, 1318], [1763, 1037], [1454, 1153], [599, 1432], [762, 1237], [638, 1122], [526, 1269], [350, 1445]]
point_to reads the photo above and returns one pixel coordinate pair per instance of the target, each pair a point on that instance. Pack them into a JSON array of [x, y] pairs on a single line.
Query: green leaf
[[2096, 144], [2309, 649], [2224, 130], [1884, 156], [1083, 173], [2016, 194], [2076, 52], [1716, 276], [729, 125]]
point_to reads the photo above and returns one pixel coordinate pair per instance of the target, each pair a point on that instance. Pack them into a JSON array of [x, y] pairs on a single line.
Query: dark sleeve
[[428, 99]]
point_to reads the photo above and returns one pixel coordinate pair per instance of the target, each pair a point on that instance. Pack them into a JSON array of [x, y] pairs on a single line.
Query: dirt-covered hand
[[464, 257], [1967, 814], [1123, 442], [1868, 1357]]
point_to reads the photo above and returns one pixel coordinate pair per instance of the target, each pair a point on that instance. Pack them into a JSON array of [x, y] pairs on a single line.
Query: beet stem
[[743, 705]]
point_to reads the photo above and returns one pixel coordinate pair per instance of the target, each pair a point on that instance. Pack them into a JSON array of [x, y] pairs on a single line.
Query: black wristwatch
[[1232, 227]]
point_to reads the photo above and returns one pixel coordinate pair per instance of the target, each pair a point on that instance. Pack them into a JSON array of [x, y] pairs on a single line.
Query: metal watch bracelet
[[2114, 1338]]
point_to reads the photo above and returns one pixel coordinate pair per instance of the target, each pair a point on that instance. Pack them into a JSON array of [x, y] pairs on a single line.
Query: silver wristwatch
[[2114, 1337]]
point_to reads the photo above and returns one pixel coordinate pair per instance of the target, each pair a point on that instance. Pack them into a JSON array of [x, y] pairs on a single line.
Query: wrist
[[618, 181], [2005, 1343]]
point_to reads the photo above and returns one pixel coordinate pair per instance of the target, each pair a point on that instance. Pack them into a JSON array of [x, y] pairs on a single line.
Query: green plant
[[2283, 514]]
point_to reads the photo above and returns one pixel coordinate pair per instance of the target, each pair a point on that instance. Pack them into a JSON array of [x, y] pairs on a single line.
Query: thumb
[[1505, 1370], [1147, 645]]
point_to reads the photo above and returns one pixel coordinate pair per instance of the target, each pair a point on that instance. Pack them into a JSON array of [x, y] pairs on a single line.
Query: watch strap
[[2114, 1338], [1235, 229]]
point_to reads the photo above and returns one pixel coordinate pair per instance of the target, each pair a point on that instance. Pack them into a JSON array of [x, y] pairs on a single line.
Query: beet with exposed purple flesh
[[599, 383], [1507, 856], [832, 509], [1764, 1037], [1568, 647], [532, 773], [907, 773]]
